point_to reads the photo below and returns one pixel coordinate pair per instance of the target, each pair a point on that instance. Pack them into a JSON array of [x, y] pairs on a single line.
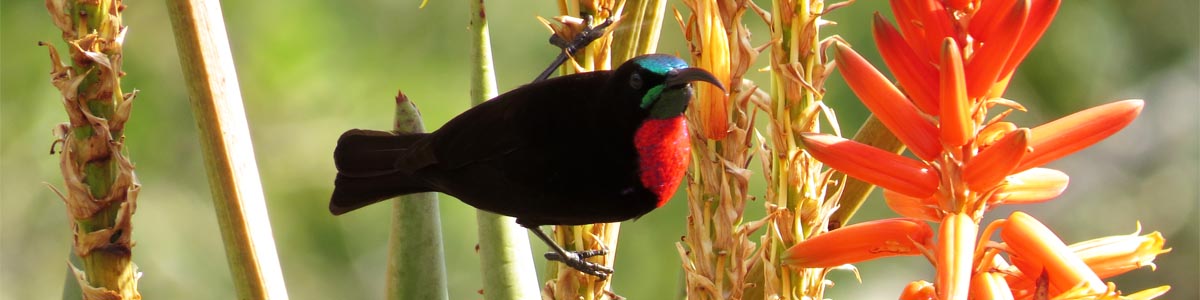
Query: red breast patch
[[663, 155]]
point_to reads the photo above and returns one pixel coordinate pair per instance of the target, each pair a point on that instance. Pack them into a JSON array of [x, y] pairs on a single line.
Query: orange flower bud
[[913, 72], [888, 104], [988, 61], [984, 21], [1040, 250], [870, 164], [993, 132], [956, 125], [1041, 12], [955, 254], [990, 286], [918, 290], [861, 242], [918, 208], [1031, 186], [1072, 133], [990, 167]]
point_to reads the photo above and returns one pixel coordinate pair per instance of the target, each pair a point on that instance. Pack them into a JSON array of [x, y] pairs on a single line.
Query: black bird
[[604, 146]]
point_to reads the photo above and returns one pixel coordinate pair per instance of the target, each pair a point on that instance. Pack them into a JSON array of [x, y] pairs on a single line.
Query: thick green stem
[[416, 264], [508, 271], [216, 100]]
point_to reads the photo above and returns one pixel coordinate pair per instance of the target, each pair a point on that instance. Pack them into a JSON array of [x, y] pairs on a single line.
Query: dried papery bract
[[101, 188], [716, 251]]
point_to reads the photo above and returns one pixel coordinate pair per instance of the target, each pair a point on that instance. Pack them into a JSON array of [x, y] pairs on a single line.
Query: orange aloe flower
[[952, 61]]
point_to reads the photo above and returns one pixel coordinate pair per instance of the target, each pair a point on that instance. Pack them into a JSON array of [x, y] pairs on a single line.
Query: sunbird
[[595, 147]]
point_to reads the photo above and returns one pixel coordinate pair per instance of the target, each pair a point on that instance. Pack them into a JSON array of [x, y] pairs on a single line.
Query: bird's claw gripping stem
[[590, 33], [574, 259]]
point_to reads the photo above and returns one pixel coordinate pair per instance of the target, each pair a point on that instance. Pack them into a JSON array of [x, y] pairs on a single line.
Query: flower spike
[[1072, 133], [870, 164], [888, 104]]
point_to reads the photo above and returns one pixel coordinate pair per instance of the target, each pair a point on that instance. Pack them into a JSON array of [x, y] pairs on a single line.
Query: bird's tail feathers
[[367, 172]]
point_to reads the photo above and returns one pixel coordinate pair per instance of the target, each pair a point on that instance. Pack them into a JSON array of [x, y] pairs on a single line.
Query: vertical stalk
[[416, 267], [800, 196], [717, 253], [508, 272], [101, 188], [216, 100]]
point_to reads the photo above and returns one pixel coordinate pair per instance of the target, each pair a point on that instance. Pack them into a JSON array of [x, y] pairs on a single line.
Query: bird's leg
[[574, 259], [569, 48]]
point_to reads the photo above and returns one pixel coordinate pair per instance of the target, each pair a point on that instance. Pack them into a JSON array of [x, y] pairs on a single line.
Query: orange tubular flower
[[910, 69], [987, 63], [956, 126], [917, 208], [1072, 133], [1031, 186], [1041, 250], [955, 251], [888, 104], [995, 162], [861, 242], [989, 286], [882, 168]]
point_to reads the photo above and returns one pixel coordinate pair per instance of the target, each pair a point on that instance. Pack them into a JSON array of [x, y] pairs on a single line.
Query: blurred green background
[[312, 69]]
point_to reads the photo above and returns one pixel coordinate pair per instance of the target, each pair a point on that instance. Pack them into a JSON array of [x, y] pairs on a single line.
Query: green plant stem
[[508, 271], [642, 30], [216, 100], [416, 267]]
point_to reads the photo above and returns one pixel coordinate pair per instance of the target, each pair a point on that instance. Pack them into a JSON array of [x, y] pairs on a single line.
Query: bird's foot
[[590, 33], [575, 260], [582, 39]]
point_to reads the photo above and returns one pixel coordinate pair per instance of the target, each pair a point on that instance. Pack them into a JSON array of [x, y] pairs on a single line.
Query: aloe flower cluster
[[952, 62]]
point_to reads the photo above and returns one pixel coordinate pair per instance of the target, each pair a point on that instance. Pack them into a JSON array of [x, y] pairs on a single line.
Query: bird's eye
[[635, 81]]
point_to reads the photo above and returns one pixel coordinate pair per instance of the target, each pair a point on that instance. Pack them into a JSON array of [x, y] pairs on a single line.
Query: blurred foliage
[[312, 69]]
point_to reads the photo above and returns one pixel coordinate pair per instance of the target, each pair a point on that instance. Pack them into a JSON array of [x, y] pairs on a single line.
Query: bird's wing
[[517, 126]]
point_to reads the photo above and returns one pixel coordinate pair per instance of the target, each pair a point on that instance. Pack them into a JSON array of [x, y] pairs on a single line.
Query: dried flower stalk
[[800, 197], [101, 188], [716, 252]]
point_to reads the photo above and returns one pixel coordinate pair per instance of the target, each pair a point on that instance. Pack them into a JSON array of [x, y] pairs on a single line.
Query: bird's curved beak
[[680, 77]]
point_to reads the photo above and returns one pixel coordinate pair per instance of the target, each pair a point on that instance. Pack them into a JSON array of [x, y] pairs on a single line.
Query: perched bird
[[604, 146]]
